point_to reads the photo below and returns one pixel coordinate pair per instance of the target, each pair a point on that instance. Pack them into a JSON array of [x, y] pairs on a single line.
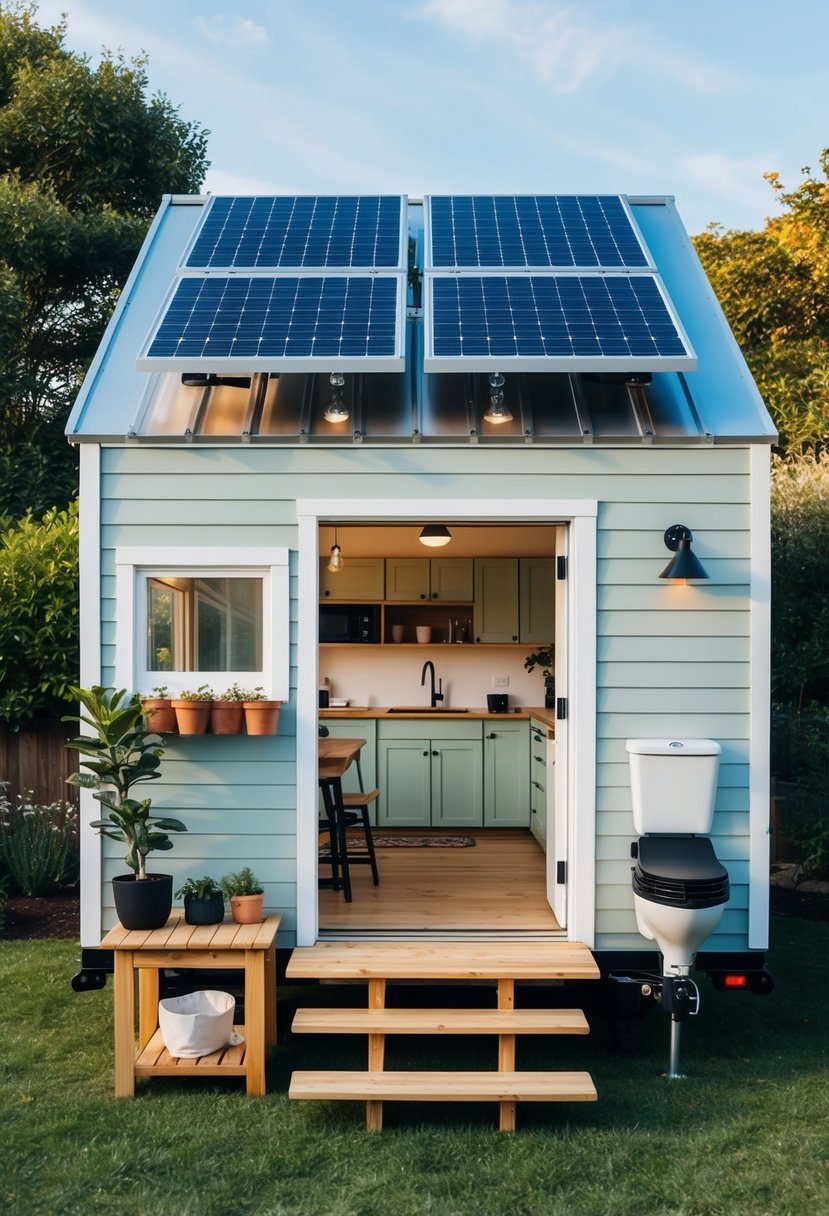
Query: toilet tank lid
[[673, 747]]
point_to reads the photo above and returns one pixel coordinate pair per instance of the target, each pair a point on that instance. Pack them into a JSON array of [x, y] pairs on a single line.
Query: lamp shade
[[684, 564], [435, 535]]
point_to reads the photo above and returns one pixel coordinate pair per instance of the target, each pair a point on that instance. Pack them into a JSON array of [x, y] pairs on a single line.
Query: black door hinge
[[561, 567], [561, 873], [561, 709]]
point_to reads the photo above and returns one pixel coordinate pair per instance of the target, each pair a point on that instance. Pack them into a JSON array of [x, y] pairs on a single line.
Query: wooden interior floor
[[497, 886]]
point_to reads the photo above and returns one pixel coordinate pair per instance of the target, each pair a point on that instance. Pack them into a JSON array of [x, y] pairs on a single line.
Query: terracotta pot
[[143, 903], [247, 909], [193, 717], [262, 717], [226, 718], [160, 715]]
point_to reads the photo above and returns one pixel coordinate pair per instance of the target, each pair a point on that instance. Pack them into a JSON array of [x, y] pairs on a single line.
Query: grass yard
[[744, 1135]]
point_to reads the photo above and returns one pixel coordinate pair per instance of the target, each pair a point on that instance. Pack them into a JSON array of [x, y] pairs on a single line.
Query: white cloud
[[238, 32]]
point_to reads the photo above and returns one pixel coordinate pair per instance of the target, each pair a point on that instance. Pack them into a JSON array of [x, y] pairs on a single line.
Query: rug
[[407, 842]]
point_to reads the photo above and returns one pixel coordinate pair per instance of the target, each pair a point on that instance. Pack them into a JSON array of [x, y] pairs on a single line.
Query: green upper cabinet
[[422, 578], [537, 598], [496, 599], [506, 774], [361, 578]]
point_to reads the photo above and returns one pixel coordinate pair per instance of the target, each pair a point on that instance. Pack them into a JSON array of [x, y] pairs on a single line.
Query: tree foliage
[[38, 616], [774, 289], [85, 157]]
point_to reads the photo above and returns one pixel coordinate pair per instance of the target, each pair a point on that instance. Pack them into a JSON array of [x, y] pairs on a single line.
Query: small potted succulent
[[204, 902], [245, 894], [544, 658], [159, 712], [192, 708], [123, 753], [261, 715], [227, 713]]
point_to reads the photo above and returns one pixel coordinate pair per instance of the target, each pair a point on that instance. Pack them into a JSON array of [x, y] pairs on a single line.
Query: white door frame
[[581, 690]]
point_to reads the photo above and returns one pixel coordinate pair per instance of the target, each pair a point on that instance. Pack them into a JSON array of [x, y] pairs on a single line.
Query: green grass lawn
[[744, 1135]]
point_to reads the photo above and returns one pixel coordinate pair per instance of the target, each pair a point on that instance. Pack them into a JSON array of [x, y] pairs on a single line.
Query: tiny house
[[546, 384]]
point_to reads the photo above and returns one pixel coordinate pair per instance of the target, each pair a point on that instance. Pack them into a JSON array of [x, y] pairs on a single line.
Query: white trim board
[[89, 565], [760, 703], [582, 515]]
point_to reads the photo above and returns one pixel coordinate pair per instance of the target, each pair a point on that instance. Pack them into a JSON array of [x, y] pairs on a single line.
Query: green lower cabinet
[[358, 728], [430, 783], [506, 774]]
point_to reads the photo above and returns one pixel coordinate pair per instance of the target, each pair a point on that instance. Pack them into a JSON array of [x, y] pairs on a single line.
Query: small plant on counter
[[246, 896], [544, 658]]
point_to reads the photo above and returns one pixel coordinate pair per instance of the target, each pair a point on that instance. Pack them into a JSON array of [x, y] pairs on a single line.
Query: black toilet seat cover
[[680, 870]]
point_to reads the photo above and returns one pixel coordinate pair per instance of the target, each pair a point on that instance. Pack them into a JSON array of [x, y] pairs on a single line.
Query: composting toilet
[[679, 886]]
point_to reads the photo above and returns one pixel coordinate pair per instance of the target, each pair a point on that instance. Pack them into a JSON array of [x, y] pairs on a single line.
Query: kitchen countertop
[[546, 716]]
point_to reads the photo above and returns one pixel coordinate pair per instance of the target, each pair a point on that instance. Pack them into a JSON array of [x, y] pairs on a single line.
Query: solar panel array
[[577, 289], [288, 284]]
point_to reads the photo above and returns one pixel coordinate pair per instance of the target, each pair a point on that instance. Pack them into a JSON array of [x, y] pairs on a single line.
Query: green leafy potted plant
[[227, 712], [204, 902], [123, 754], [544, 658], [192, 708], [159, 712], [246, 896], [261, 715]]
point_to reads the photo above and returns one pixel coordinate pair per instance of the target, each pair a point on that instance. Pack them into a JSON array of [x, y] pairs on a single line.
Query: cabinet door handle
[[434, 753], [435, 595], [538, 786], [540, 759], [423, 595], [515, 637], [425, 753], [326, 592], [492, 735]]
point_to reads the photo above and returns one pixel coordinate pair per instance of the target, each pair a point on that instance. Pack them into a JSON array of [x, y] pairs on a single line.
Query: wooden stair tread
[[440, 1021], [443, 960], [445, 1086]]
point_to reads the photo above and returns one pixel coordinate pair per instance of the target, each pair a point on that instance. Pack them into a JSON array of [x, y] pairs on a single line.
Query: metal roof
[[717, 402]]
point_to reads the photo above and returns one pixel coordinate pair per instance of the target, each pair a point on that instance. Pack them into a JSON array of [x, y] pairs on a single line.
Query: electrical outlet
[[500, 681]]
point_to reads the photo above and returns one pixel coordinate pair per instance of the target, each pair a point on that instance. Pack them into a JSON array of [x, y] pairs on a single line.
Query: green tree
[[774, 289], [85, 156], [38, 616]]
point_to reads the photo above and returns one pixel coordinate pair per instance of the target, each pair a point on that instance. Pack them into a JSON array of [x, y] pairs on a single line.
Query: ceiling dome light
[[435, 535], [336, 410], [497, 412]]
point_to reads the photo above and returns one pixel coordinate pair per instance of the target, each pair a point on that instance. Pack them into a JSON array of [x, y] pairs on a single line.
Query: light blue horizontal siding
[[671, 660]]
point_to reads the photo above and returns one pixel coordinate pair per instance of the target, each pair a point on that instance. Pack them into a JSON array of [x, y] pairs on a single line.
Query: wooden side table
[[178, 945]]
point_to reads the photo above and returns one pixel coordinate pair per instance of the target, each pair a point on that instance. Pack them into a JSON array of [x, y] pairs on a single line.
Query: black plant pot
[[550, 700], [144, 904], [210, 911]]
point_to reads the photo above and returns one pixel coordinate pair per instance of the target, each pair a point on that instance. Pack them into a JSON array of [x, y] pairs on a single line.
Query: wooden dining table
[[335, 758]]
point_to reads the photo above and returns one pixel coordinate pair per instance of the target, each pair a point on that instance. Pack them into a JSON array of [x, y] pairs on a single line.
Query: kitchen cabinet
[[537, 599], [541, 782], [358, 728], [506, 774], [423, 578], [496, 599], [430, 773], [361, 578]]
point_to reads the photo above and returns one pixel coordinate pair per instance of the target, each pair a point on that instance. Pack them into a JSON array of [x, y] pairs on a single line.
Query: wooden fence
[[35, 759]]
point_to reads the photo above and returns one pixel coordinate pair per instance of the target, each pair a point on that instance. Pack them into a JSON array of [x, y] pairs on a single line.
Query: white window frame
[[135, 565]]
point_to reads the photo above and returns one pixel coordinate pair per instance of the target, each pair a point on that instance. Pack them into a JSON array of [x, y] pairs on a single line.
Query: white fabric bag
[[198, 1023]]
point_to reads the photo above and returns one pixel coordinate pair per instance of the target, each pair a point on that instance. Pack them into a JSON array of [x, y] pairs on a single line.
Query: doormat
[[423, 842]]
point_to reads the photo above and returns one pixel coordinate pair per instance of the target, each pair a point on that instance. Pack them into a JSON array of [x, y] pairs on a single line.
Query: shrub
[[38, 844]]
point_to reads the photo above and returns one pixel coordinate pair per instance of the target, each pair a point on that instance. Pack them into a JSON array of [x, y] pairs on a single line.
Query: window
[[181, 625]]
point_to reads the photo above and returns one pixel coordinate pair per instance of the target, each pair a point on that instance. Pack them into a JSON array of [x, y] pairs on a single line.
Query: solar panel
[[535, 231], [234, 322], [252, 232], [549, 322]]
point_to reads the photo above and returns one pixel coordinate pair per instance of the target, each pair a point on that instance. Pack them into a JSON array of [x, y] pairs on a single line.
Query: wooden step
[[445, 1086], [490, 960], [440, 1021]]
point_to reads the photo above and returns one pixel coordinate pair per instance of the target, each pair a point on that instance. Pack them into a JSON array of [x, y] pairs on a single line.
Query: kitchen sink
[[425, 709]]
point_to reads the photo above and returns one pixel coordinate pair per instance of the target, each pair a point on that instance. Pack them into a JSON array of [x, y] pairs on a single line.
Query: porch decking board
[[488, 960], [499, 885]]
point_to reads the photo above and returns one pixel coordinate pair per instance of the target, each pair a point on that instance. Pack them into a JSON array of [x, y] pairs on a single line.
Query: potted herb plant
[[122, 754], [261, 715], [159, 712], [246, 896], [204, 902], [544, 658], [192, 708], [227, 712]]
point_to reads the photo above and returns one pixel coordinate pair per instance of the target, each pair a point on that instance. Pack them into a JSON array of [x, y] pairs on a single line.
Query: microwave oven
[[349, 622]]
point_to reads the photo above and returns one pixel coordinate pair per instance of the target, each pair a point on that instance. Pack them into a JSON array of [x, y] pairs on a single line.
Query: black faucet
[[436, 696]]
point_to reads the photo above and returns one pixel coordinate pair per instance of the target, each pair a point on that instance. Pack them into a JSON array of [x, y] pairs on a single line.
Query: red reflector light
[[736, 981]]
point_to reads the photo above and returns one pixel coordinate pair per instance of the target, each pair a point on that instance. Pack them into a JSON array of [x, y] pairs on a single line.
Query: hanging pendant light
[[498, 412], [435, 535], [336, 410], [335, 561]]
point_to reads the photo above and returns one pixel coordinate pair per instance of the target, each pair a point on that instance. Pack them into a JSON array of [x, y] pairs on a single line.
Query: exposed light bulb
[[335, 561], [497, 412], [337, 410]]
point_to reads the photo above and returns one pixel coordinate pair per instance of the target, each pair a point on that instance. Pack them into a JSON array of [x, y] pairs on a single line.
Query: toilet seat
[[679, 871]]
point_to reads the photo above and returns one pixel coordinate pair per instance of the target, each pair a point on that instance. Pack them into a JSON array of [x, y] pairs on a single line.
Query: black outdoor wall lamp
[[685, 564]]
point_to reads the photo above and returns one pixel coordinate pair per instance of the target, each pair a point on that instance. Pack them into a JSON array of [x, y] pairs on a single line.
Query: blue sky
[[506, 96]]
